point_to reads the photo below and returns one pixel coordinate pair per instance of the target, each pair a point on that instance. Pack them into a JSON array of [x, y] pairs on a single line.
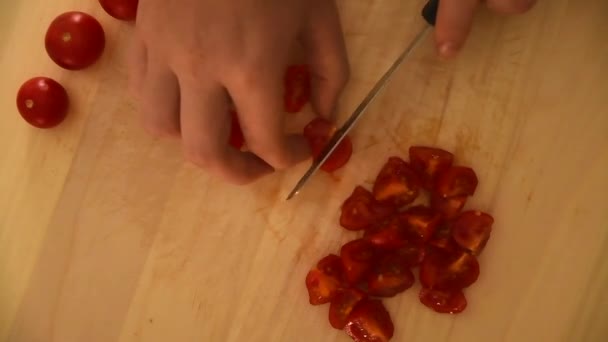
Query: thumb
[[323, 41]]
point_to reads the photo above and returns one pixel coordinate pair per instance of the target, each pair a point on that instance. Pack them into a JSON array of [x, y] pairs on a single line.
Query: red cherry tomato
[[121, 9], [411, 255], [396, 183], [237, 140], [318, 133], [357, 258], [75, 40], [450, 207], [342, 305], [420, 223], [429, 162], [451, 302], [456, 181], [297, 87], [390, 276], [472, 229], [388, 235], [446, 271], [370, 322], [325, 280], [42, 102], [361, 210]]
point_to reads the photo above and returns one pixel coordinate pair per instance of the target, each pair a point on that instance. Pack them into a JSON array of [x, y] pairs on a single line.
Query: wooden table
[[108, 235]]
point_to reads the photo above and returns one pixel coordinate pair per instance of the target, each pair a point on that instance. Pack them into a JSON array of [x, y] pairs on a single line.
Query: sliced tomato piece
[[456, 181], [444, 242], [361, 210], [451, 302], [411, 255], [342, 305], [297, 87], [390, 276], [472, 229], [370, 322], [450, 207], [441, 270], [357, 258], [388, 235], [318, 132], [429, 162], [325, 280], [237, 140], [420, 222], [396, 182]]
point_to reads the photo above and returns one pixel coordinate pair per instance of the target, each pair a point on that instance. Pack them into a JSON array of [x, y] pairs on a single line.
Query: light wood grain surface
[[108, 235]]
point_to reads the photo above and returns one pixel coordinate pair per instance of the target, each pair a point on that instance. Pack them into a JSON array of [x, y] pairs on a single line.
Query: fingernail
[[448, 50]]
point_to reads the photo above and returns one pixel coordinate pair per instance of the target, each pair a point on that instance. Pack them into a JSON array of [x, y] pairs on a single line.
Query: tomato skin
[[390, 276], [237, 140], [451, 302], [429, 162], [357, 258], [318, 132], [388, 235], [441, 270], [324, 281], [456, 181], [125, 10], [297, 87], [396, 182], [360, 210], [472, 229], [75, 40], [370, 322], [421, 223], [450, 207], [342, 305], [42, 102]]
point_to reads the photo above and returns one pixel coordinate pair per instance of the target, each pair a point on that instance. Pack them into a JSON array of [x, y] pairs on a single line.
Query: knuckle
[[160, 128]]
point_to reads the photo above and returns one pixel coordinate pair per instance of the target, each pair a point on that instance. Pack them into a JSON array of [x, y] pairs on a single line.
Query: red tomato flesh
[[121, 9], [318, 132], [449, 208], [357, 258], [396, 182], [390, 276], [387, 236], [472, 230], [370, 322], [325, 280], [75, 40], [456, 181], [297, 87], [42, 102], [420, 222], [448, 271], [342, 305], [429, 162], [361, 210], [451, 302]]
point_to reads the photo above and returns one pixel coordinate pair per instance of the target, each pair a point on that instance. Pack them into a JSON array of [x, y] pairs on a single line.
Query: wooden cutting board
[[106, 234]]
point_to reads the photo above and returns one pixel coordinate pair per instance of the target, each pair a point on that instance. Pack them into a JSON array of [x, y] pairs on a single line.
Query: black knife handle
[[429, 12]]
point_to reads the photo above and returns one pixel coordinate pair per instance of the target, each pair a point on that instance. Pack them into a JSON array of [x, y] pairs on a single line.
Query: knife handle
[[429, 12]]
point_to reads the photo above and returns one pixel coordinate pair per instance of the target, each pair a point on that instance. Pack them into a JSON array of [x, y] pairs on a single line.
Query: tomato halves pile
[[400, 234]]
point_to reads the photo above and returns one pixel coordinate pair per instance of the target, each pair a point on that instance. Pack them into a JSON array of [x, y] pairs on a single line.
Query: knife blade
[[429, 13]]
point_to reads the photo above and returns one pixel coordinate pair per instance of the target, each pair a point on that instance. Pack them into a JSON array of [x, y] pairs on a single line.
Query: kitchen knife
[[429, 13]]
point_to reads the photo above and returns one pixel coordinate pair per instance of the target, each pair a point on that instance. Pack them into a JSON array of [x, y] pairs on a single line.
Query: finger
[[511, 6], [160, 99], [454, 20], [257, 94], [324, 42], [137, 64], [205, 123]]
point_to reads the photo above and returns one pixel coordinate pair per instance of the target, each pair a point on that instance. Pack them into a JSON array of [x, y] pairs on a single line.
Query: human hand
[[193, 57], [455, 17]]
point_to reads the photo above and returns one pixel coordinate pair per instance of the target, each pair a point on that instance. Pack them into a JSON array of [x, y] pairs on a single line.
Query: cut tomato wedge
[[370, 322], [420, 223], [429, 162], [388, 235], [450, 207], [390, 276], [297, 87], [441, 270], [472, 229], [361, 210], [456, 181], [318, 132], [325, 280], [396, 182], [342, 305], [451, 302], [357, 258]]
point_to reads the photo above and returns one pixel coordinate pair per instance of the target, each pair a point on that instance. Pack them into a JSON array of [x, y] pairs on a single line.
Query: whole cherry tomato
[[42, 102], [121, 9], [75, 40]]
